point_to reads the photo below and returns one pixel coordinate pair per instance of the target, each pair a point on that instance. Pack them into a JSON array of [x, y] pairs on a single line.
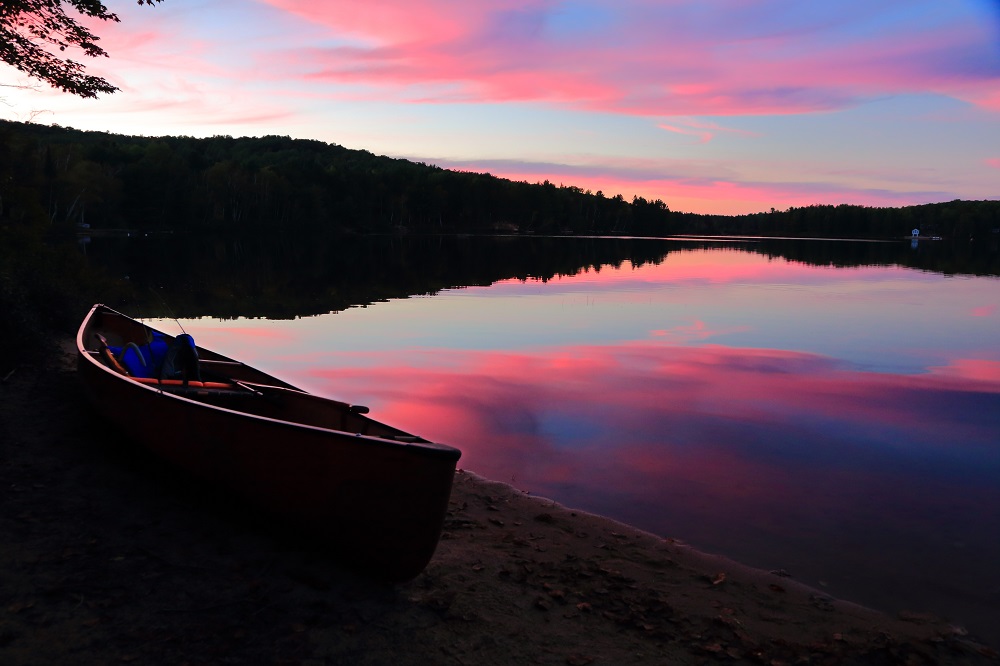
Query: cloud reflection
[[776, 458], [698, 412]]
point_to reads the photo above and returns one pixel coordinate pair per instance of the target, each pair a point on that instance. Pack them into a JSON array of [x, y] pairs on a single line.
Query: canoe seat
[[199, 390], [180, 382], [107, 353]]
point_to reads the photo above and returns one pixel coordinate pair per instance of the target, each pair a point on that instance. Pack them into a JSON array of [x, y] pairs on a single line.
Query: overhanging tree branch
[[31, 31]]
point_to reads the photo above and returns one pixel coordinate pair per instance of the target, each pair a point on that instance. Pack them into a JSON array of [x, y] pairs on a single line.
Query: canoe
[[373, 496]]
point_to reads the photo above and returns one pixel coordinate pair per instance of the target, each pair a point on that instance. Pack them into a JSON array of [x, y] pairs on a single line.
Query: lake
[[837, 417]]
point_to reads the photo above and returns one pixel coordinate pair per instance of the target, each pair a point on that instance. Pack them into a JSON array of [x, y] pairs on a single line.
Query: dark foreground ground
[[105, 558]]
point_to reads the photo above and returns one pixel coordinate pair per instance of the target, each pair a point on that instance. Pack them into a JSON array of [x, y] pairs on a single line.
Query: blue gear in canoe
[[159, 359]]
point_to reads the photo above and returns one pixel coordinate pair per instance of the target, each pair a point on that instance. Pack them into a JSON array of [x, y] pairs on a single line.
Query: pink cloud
[[983, 97], [392, 21], [993, 162], [693, 187], [704, 131], [147, 39], [654, 60]]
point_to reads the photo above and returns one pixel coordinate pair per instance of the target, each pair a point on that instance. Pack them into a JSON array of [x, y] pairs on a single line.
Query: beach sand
[[107, 558]]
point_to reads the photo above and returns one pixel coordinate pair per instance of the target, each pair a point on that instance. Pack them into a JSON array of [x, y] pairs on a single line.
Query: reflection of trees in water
[[287, 276], [950, 258], [283, 276]]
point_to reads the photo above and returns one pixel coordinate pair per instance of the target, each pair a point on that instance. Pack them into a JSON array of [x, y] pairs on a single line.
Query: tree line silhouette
[[62, 178]]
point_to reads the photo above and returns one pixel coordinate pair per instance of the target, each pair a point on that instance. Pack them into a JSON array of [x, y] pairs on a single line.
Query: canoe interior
[[257, 393]]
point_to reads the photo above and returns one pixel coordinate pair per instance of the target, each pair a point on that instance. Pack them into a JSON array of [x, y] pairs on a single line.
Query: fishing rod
[[169, 311]]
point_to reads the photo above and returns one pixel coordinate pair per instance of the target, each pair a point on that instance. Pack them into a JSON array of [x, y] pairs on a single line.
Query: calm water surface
[[840, 423]]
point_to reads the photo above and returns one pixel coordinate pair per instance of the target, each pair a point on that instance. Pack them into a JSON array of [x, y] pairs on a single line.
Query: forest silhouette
[[64, 178]]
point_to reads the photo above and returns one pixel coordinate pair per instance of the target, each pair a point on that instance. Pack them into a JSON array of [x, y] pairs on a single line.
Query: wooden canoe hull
[[372, 500]]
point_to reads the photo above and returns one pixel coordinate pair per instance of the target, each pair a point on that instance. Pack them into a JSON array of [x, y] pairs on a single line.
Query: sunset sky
[[714, 106]]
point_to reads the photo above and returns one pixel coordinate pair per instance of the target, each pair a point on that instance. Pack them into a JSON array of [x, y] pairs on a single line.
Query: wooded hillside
[[61, 178]]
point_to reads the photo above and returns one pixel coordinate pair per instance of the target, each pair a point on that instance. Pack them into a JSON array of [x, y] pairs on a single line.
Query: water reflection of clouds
[[875, 316], [984, 311], [671, 397], [747, 418], [725, 447], [969, 370], [748, 451], [696, 331], [222, 335]]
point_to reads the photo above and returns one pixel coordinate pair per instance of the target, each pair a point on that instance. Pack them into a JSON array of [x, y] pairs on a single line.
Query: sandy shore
[[106, 558]]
